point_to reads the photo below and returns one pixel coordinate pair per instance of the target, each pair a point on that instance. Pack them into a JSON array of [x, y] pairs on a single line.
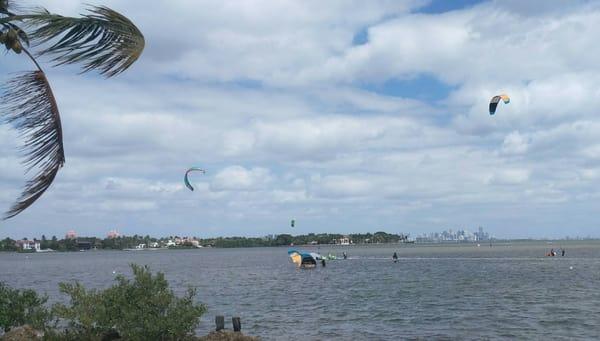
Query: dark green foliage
[[140, 309], [124, 242], [30, 107], [104, 39], [54, 243], [287, 239], [19, 307], [67, 245], [8, 244]]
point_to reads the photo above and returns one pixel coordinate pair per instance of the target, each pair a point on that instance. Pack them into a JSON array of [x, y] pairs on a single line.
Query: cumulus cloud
[[515, 143], [292, 115], [509, 176], [238, 178]]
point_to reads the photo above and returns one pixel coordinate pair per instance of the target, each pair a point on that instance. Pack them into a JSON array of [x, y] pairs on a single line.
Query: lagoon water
[[434, 292]]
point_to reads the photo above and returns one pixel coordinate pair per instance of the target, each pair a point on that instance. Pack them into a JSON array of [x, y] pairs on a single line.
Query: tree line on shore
[[125, 242]]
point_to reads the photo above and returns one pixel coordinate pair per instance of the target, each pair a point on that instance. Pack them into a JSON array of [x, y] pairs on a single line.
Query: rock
[[111, 335], [227, 335], [23, 333]]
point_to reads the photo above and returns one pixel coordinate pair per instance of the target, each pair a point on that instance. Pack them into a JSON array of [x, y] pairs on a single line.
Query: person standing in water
[[395, 257], [345, 256], [562, 252], [323, 262]]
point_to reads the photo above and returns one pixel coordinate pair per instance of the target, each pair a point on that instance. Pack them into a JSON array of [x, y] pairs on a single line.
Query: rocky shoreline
[[27, 333]]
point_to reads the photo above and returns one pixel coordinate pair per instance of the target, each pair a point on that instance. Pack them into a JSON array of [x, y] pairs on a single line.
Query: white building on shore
[[29, 245]]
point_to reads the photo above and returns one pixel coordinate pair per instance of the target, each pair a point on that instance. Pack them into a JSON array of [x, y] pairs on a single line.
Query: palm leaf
[[104, 39], [31, 108]]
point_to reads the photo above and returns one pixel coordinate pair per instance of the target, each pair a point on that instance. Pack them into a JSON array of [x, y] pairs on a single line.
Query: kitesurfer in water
[[395, 257], [323, 262], [345, 255], [562, 252]]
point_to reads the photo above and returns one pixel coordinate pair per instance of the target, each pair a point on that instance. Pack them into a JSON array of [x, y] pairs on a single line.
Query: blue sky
[[348, 116], [441, 6]]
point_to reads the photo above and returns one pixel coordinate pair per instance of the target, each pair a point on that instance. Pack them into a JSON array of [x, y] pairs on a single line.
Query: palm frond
[[104, 39], [30, 107]]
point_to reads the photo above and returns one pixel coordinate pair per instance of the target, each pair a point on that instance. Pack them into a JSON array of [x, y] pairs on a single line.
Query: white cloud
[[515, 143], [344, 186], [111, 206], [238, 178], [273, 100], [509, 177]]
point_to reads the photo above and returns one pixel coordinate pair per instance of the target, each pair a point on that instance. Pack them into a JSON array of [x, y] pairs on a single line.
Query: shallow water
[[435, 291]]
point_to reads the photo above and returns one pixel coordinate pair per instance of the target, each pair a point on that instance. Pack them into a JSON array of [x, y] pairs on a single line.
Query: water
[[433, 292]]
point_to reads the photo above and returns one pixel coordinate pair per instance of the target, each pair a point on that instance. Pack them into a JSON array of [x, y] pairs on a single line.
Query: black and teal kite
[[187, 180]]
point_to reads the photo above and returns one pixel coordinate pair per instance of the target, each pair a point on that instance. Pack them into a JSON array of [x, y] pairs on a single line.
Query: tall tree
[[101, 40]]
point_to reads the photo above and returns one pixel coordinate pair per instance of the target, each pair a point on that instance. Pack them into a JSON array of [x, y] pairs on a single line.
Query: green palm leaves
[[32, 109], [102, 40]]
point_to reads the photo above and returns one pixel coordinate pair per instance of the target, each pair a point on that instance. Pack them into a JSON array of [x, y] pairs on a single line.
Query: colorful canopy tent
[[304, 259], [495, 100]]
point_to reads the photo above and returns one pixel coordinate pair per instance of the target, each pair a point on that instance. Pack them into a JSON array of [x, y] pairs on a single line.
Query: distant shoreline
[[497, 242]]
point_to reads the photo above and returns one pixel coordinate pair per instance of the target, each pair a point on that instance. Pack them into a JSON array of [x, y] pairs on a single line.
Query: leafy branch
[[102, 40]]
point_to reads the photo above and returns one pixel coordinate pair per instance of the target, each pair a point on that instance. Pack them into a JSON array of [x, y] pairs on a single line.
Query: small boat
[[304, 259], [140, 247]]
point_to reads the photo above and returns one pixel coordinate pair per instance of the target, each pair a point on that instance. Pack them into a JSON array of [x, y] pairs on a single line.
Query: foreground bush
[[143, 308], [140, 309], [19, 307]]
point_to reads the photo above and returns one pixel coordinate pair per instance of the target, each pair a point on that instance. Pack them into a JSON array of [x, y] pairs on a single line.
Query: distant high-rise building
[[481, 236], [450, 235], [113, 234]]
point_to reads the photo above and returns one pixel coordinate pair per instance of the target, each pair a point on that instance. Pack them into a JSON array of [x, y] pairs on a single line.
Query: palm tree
[[102, 40]]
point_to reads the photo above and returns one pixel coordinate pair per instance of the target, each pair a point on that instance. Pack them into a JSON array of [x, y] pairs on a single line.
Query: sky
[[347, 116]]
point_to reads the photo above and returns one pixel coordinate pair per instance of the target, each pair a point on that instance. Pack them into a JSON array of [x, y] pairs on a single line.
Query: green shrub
[[140, 309], [19, 307]]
